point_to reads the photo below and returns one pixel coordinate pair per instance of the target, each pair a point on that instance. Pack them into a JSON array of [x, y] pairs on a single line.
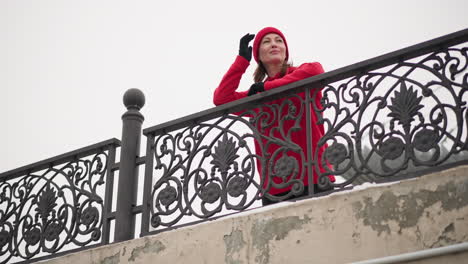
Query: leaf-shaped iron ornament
[[425, 140], [4, 238], [89, 215], [46, 203], [167, 196], [32, 236], [405, 106], [210, 193], [285, 166], [236, 186], [52, 231], [391, 148], [336, 154], [155, 220], [224, 154]]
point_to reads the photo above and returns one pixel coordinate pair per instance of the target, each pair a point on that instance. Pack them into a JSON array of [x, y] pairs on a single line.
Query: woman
[[284, 165]]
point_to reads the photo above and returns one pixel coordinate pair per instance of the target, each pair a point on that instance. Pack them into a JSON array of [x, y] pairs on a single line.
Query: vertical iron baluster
[[147, 186], [108, 196], [310, 173]]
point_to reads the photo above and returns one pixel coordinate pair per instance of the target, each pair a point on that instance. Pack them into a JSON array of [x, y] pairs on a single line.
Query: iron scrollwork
[[45, 211], [210, 167], [409, 115], [378, 124]]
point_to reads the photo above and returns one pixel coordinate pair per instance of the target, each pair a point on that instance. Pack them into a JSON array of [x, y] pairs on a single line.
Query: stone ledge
[[381, 220]]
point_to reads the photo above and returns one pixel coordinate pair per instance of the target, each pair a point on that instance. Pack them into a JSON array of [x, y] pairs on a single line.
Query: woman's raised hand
[[244, 49]]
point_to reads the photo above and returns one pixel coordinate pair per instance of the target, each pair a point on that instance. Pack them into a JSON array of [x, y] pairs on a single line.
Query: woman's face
[[272, 49]]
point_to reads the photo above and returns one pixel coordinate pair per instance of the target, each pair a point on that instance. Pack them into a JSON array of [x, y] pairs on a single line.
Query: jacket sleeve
[[226, 91], [306, 70]]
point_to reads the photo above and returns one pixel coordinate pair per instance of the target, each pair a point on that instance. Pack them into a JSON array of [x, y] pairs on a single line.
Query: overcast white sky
[[64, 65]]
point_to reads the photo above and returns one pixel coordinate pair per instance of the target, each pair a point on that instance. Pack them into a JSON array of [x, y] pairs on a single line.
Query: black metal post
[[132, 120]]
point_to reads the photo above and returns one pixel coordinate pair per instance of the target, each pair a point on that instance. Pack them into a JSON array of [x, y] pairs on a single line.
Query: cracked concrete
[[148, 247], [265, 230], [446, 238], [407, 209], [234, 244], [115, 259]]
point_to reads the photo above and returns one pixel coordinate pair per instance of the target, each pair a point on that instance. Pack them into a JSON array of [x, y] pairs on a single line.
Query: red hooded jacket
[[226, 92]]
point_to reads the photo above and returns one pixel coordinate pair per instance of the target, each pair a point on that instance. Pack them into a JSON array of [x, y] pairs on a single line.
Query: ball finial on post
[[134, 99], [132, 120]]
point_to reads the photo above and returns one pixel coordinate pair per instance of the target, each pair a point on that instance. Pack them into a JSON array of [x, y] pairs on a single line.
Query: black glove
[[244, 49], [256, 88]]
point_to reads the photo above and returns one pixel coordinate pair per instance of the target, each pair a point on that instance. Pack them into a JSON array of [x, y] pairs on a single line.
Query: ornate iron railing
[[57, 205], [410, 114], [395, 116], [383, 119]]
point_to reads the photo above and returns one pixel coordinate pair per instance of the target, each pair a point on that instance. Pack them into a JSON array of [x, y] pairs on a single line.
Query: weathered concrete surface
[[382, 220]]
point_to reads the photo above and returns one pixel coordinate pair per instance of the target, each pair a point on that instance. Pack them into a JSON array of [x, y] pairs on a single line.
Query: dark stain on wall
[[407, 209], [149, 247], [263, 231], [114, 259], [234, 243]]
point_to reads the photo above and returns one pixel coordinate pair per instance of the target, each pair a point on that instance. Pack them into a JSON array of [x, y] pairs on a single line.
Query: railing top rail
[[315, 81], [44, 164]]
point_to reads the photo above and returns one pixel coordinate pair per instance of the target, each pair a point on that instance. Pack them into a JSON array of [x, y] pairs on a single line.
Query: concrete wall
[[381, 220]]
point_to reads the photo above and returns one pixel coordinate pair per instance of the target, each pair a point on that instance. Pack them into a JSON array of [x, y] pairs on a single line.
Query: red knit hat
[[259, 37]]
